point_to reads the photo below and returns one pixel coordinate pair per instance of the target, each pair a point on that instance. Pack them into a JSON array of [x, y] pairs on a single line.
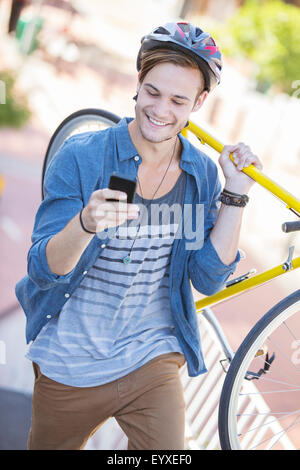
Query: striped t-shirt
[[119, 317]]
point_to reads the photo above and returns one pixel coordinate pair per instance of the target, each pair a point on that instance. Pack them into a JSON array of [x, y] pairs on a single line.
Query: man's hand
[[236, 180], [100, 214]]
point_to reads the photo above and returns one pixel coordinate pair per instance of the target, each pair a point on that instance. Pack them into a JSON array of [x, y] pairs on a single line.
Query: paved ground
[[14, 426]]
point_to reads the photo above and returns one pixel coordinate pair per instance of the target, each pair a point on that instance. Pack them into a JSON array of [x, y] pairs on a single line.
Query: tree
[[13, 109], [267, 33]]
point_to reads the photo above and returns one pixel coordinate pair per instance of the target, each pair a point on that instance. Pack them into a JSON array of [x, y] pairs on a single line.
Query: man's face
[[166, 97]]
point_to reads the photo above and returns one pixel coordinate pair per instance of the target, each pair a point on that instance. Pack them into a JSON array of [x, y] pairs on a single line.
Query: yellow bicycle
[[267, 362]]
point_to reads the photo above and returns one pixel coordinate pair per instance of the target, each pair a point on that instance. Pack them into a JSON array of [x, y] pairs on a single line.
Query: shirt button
[[103, 245], [67, 295], [84, 272], [48, 316], [136, 158]]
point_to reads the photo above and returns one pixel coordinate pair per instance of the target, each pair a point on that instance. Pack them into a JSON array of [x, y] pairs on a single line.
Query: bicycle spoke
[[283, 353], [291, 333], [272, 391], [263, 411], [267, 379], [279, 437], [267, 413], [279, 432], [269, 422], [264, 378]]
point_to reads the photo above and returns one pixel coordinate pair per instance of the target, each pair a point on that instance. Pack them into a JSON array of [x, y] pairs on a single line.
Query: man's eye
[[152, 94], [176, 102]]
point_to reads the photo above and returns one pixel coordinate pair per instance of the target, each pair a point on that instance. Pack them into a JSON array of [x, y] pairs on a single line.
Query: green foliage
[[268, 33], [14, 112]]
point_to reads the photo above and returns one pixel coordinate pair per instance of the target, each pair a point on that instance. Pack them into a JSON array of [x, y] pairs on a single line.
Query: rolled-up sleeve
[[62, 201], [38, 268], [207, 272]]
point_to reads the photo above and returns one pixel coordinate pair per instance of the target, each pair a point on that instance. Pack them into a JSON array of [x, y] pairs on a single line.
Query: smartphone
[[124, 184]]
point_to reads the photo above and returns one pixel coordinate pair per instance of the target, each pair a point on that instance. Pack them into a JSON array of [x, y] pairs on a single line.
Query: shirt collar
[[127, 150]]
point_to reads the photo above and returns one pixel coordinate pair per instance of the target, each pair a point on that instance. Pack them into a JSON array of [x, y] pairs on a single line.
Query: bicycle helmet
[[192, 41]]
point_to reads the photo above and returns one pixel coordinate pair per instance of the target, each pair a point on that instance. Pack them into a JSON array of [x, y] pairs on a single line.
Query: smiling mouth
[[157, 123]]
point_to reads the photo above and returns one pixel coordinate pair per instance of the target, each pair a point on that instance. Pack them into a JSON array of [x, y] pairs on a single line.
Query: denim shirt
[[83, 164]]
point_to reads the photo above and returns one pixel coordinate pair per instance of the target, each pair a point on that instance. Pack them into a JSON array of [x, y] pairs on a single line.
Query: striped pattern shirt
[[119, 316]]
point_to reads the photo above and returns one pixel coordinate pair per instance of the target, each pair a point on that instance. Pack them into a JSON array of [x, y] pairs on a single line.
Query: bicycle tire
[[283, 310], [70, 125]]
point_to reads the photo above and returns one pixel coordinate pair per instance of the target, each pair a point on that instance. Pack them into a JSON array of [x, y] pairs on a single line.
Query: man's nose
[[161, 110]]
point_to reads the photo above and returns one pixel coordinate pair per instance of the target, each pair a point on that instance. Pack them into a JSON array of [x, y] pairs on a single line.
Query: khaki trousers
[[148, 404]]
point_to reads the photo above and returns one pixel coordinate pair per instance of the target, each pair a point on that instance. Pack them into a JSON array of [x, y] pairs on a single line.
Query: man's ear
[[200, 100]]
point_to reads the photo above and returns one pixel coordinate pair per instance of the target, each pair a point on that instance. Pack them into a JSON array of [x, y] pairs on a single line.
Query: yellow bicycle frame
[[291, 203]]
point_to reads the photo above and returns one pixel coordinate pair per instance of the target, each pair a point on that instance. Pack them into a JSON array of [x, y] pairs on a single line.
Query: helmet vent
[[162, 30]]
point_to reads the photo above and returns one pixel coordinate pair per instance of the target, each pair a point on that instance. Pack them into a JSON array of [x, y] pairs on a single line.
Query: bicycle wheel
[[259, 407], [84, 120]]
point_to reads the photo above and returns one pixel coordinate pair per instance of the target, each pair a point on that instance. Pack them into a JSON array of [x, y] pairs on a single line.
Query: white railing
[[202, 396]]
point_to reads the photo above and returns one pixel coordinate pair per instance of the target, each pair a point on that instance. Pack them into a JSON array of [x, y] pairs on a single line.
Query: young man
[[112, 318]]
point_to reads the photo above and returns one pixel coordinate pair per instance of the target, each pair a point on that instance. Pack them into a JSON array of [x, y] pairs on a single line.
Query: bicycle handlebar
[[291, 226]]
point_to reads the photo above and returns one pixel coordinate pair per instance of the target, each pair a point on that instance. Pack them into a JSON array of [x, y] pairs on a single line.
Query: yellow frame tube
[[274, 188], [278, 191], [250, 283]]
